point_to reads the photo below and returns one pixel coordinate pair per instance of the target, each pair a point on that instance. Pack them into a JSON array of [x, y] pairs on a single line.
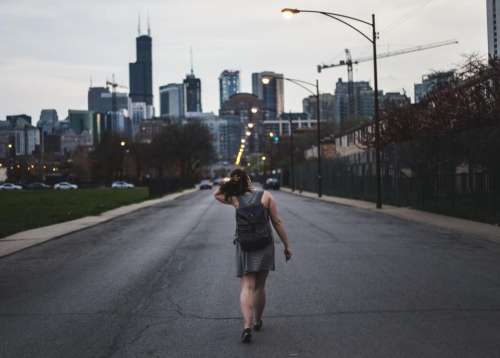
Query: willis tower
[[141, 78]]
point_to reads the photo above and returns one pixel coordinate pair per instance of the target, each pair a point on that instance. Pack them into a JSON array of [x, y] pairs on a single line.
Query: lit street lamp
[[287, 12]]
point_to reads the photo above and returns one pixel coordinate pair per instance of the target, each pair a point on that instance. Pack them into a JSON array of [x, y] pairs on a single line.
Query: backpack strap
[[259, 196]]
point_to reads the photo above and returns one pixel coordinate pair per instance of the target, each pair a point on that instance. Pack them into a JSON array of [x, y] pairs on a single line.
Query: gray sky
[[50, 48]]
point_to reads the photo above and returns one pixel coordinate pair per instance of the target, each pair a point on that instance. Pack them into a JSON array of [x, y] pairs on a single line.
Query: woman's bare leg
[[247, 296], [260, 294]]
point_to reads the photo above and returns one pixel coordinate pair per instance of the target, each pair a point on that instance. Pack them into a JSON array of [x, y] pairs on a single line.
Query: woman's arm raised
[[220, 197]]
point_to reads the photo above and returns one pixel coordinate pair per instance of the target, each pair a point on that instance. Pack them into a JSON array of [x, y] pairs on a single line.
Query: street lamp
[[307, 86], [288, 12]]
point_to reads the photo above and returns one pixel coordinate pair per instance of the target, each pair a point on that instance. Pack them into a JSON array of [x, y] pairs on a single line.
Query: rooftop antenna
[[191, 56], [139, 24], [149, 26]]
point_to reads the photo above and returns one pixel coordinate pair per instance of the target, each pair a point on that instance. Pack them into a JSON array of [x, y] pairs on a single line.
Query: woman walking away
[[254, 244]]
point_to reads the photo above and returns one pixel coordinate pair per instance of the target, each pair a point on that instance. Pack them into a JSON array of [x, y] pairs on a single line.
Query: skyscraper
[[94, 99], [141, 78], [327, 106], [192, 88], [493, 13], [48, 121], [431, 82], [364, 103], [172, 101], [229, 85], [271, 94], [100, 99]]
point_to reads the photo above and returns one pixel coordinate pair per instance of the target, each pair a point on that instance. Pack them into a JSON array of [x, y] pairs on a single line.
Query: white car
[[10, 186], [64, 185], [205, 184], [122, 185]]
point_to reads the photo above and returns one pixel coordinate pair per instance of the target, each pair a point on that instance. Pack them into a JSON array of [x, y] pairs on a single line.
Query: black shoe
[[257, 326], [246, 336]]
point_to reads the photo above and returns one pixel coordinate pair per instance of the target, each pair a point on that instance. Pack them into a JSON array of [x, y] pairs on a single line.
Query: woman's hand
[[288, 253]]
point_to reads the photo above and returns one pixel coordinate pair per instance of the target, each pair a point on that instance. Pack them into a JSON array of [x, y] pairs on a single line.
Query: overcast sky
[[51, 48]]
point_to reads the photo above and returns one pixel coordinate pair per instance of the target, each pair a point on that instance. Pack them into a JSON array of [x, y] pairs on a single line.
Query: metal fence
[[457, 174]]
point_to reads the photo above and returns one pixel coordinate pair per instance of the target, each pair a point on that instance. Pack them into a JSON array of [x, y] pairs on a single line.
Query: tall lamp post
[[292, 155], [307, 86], [288, 12]]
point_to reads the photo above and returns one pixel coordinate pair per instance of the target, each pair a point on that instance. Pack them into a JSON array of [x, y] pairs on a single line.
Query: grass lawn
[[27, 209]]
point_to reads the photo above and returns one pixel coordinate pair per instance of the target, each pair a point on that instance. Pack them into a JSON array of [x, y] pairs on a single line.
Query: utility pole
[[376, 117], [292, 168], [318, 133]]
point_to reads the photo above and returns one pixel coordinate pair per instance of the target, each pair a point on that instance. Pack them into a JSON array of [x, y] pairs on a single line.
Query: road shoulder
[[482, 230]]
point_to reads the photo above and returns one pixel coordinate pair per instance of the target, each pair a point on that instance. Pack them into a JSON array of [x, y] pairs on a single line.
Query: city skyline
[[51, 68]]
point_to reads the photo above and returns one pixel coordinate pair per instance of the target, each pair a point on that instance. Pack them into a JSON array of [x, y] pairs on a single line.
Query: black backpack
[[252, 226]]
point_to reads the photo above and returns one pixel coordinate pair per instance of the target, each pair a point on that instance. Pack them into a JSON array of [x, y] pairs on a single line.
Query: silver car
[[121, 185], [64, 185], [10, 186]]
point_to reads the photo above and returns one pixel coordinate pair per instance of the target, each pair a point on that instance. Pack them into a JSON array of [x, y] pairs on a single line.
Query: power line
[[405, 18]]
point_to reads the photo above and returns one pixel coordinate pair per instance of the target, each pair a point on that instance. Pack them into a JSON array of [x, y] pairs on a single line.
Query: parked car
[[205, 185], [122, 185], [10, 186], [64, 185], [272, 183], [217, 181], [37, 186]]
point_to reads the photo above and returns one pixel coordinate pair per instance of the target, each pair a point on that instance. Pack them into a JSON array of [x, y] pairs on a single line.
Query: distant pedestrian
[[255, 210]]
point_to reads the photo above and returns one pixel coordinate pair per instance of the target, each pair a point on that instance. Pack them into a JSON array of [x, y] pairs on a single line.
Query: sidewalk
[[484, 231], [24, 239]]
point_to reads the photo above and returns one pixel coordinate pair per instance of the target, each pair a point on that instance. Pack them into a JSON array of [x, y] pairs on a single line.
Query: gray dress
[[253, 261]]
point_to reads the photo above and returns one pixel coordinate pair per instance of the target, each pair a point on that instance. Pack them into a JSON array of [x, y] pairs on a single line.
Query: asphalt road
[[161, 282]]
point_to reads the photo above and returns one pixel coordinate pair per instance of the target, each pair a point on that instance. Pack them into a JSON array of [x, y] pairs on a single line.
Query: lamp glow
[[266, 80], [250, 125], [288, 13]]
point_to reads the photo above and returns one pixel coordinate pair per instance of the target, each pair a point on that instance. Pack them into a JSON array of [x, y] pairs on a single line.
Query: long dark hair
[[238, 185]]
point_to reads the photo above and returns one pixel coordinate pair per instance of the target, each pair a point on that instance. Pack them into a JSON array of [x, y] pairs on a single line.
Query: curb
[[484, 231], [25, 239]]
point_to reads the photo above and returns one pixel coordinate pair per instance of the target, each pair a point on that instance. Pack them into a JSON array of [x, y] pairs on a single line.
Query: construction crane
[[114, 85], [349, 62]]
